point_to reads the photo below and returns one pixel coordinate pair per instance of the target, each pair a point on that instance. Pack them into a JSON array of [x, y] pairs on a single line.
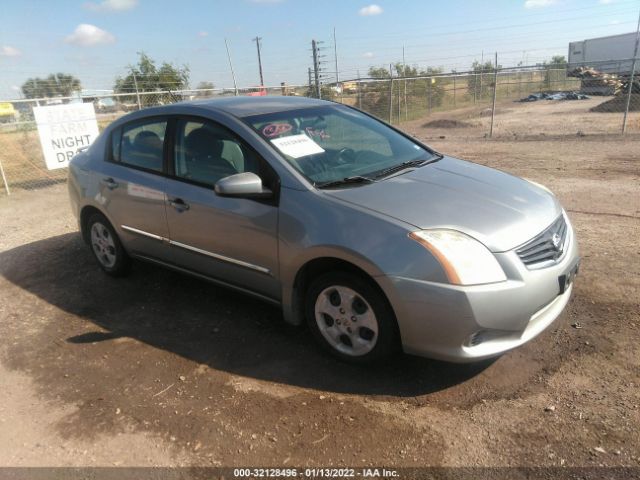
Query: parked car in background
[[7, 112], [105, 105], [23, 111], [370, 237], [259, 92]]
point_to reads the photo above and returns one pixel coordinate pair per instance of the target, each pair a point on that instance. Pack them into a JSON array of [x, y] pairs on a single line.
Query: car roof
[[247, 106]]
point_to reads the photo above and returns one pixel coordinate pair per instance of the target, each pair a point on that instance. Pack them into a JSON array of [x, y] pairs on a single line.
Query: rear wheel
[[106, 246], [351, 318]]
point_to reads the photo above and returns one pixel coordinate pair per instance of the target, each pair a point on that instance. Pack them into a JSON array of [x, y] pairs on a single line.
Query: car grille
[[545, 247]]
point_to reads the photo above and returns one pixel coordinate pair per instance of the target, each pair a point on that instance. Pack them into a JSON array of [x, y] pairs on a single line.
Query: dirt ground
[[162, 369], [531, 120]]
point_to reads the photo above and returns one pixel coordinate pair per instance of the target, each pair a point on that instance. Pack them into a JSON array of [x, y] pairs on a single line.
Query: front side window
[[206, 152], [331, 143], [140, 144]]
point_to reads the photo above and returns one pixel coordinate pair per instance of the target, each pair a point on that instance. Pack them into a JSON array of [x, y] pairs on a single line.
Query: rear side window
[[140, 144], [116, 137]]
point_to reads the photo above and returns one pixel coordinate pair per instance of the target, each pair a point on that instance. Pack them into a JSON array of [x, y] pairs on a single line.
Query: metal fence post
[[629, 94], [495, 90], [429, 102], [399, 104], [475, 88], [454, 91], [135, 83], [406, 107], [390, 99], [633, 71], [4, 179]]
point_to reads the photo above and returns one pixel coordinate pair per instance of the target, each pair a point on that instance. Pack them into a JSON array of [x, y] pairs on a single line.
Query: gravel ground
[[162, 369]]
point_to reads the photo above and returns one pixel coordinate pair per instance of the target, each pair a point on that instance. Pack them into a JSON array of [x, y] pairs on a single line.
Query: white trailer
[[611, 54]]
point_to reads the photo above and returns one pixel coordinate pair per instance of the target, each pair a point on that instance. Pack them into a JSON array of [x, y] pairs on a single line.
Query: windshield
[[332, 143]]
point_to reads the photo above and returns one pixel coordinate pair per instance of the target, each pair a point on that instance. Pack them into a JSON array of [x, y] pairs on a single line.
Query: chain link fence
[[521, 102], [536, 101]]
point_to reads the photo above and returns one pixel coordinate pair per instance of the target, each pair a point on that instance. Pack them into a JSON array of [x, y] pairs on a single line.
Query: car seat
[[204, 160]]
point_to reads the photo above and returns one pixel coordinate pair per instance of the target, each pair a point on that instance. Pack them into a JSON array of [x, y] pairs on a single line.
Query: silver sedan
[[373, 239]]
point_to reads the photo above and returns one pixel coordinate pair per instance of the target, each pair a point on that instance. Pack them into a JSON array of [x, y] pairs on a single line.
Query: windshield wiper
[[408, 164], [345, 181]]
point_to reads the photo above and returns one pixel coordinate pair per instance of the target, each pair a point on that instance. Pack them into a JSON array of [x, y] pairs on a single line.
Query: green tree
[[204, 89], [205, 86], [375, 94], [406, 70], [434, 86], [424, 90], [555, 71], [379, 72], [55, 85], [481, 82], [147, 77]]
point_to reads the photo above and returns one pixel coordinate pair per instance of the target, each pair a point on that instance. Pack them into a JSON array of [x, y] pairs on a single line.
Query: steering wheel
[[346, 155]]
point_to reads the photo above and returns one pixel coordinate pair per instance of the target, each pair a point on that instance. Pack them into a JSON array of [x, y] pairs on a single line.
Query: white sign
[[63, 130], [297, 146]]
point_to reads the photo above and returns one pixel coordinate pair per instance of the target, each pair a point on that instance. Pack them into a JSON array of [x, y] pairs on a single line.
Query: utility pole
[[404, 74], [316, 67], [391, 93], [481, 71], [359, 92], [335, 56], [633, 71], [233, 75], [257, 40]]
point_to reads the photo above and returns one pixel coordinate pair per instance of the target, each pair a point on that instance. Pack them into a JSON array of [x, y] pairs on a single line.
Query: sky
[[96, 40]]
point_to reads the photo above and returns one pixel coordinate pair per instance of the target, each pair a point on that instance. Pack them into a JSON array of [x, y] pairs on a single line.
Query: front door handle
[[178, 204], [110, 183]]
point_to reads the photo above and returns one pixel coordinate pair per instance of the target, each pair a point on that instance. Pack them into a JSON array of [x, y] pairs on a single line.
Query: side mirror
[[245, 184]]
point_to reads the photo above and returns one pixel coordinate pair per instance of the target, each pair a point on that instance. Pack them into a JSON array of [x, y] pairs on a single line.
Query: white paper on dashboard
[[297, 146]]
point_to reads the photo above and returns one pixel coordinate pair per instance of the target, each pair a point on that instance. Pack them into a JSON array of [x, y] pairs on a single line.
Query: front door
[[230, 239]]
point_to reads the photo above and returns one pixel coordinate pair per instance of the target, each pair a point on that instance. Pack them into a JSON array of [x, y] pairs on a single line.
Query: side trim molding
[[222, 258], [143, 233]]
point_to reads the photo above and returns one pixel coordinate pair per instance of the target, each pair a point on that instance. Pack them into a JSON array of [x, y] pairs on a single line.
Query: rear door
[[132, 186], [231, 239]]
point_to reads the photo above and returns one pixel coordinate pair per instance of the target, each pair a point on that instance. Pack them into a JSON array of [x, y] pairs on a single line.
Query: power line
[[432, 31]]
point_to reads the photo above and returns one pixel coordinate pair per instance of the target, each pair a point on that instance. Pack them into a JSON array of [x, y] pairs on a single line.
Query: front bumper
[[471, 323]]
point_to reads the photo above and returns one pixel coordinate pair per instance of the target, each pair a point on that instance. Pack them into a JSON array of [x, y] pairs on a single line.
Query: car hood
[[500, 210]]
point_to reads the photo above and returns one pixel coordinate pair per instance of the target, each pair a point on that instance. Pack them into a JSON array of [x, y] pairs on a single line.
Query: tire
[[106, 246], [350, 318]]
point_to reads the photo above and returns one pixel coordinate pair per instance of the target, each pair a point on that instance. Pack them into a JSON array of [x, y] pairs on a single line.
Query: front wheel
[[350, 317]]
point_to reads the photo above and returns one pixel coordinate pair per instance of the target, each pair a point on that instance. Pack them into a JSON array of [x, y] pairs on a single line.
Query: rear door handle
[[178, 204], [110, 183]]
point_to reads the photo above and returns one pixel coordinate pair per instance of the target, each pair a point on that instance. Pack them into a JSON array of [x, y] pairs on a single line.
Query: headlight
[[465, 260]]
